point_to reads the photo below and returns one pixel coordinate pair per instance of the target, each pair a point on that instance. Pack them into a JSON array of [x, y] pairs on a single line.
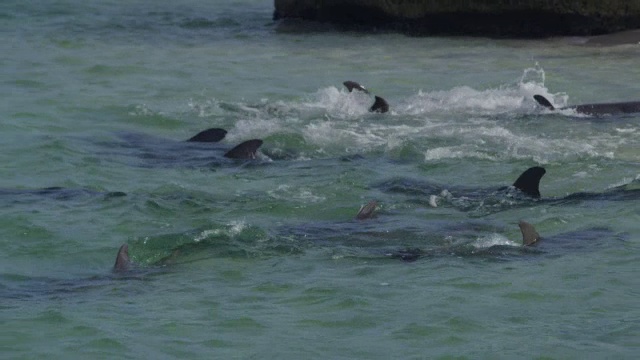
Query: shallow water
[[263, 259]]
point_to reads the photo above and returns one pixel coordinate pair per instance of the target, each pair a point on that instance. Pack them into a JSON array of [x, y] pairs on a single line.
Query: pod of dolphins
[[527, 183]]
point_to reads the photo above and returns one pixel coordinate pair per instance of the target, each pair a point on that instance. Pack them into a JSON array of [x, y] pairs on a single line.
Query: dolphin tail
[[544, 102], [529, 181], [209, 135], [367, 211], [380, 105], [122, 259], [350, 85], [246, 150], [529, 234]]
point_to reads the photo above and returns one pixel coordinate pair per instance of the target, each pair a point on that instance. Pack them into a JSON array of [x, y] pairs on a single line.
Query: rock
[[509, 18]]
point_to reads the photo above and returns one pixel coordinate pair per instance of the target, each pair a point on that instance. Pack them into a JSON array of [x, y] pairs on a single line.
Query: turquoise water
[[263, 259]]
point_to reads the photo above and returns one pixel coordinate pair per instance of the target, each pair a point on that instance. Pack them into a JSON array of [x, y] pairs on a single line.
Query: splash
[[234, 228], [295, 194], [488, 241], [516, 98], [492, 124]]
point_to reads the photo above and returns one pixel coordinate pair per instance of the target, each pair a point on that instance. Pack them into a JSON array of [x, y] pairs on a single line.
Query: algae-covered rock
[[523, 18]]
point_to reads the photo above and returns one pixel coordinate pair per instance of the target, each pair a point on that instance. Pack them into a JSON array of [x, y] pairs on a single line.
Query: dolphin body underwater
[[332, 235], [525, 189], [124, 264], [194, 151], [202, 149], [532, 244], [617, 108], [244, 151], [125, 269], [324, 233]]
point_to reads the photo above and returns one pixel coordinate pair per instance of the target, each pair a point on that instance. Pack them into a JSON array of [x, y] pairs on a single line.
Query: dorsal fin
[[209, 135], [380, 105], [246, 150], [544, 102], [122, 259], [529, 181], [529, 234], [367, 211], [350, 85]]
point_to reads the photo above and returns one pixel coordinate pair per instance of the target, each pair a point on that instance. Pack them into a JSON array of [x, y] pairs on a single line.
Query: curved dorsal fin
[[209, 135], [367, 211], [122, 259], [529, 234], [529, 181], [246, 150]]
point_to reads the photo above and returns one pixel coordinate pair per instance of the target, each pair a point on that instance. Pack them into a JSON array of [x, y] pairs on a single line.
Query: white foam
[[297, 194], [494, 240], [234, 228], [626, 130], [352, 136], [455, 152], [514, 98], [471, 123], [433, 201]]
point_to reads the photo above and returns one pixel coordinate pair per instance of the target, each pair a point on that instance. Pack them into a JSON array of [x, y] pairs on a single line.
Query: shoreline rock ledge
[[502, 18]]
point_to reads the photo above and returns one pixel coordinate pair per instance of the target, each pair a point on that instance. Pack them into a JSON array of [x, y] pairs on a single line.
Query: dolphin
[[123, 263], [20, 287], [617, 108], [208, 135], [527, 185], [367, 211], [588, 239], [244, 150], [203, 149], [524, 190], [351, 85], [380, 105], [529, 234], [124, 269], [382, 239]]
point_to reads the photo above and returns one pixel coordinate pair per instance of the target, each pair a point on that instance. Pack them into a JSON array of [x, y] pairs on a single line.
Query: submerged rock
[[512, 18]]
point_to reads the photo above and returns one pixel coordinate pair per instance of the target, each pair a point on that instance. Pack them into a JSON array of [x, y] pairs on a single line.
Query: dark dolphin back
[[529, 181], [380, 105], [209, 135], [608, 108], [627, 107], [246, 150]]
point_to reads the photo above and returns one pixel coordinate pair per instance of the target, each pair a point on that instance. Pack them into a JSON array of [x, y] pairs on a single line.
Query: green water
[[263, 259]]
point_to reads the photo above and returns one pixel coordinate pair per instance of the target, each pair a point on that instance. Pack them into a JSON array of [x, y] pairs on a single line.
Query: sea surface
[[263, 259]]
